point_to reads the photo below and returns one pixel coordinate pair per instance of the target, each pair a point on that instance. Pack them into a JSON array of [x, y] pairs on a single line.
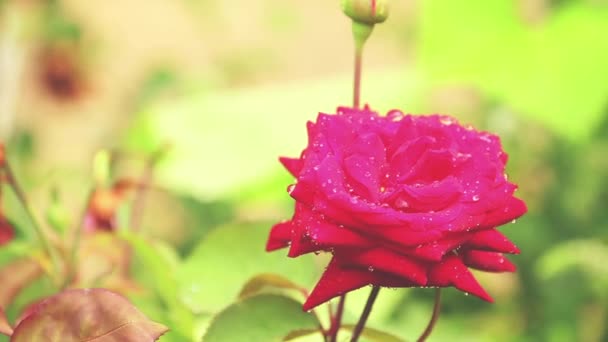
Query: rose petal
[[337, 280], [406, 238], [312, 232], [280, 236], [492, 240], [293, 165], [452, 272], [488, 261], [433, 165], [436, 250], [513, 209], [426, 198], [406, 156], [387, 261]]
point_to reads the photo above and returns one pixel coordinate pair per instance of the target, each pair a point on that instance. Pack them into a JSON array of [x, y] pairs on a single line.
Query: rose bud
[[104, 204], [368, 12], [7, 232], [399, 201]]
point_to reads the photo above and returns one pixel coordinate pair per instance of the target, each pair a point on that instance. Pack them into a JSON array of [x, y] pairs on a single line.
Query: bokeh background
[[228, 86]]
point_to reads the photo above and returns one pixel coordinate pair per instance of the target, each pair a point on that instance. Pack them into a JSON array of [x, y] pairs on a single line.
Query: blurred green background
[[228, 85]]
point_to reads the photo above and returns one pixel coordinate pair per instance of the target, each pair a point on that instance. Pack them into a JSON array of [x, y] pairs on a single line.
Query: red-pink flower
[[400, 201]]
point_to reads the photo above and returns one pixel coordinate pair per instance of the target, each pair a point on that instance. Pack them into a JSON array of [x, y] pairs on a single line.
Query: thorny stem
[[48, 248], [434, 317], [366, 311]]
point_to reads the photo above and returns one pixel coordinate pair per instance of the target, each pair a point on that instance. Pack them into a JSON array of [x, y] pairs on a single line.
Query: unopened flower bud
[[368, 12]]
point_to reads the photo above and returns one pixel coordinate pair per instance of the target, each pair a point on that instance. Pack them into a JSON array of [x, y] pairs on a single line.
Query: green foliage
[[212, 276], [156, 261], [263, 318], [554, 73], [588, 256]]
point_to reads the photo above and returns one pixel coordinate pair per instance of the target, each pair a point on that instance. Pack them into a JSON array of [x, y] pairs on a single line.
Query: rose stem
[[361, 33], [336, 321], [51, 252], [434, 317], [357, 74], [366, 311]]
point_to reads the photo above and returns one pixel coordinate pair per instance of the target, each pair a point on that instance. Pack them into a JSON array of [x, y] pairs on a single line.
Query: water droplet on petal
[[475, 198], [446, 120], [371, 268], [400, 203]]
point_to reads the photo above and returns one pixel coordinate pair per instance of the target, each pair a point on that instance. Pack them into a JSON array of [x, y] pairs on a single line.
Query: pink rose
[[399, 201]]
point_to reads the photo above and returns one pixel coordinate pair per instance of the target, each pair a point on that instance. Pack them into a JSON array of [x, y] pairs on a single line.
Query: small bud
[[7, 232], [368, 12], [102, 165], [57, 215]]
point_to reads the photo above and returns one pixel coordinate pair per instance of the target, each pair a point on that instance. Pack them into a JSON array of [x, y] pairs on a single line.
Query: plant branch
[[366, 311], [21, 197], [142, 188], [434, 317], [336, 321], [77, 237]]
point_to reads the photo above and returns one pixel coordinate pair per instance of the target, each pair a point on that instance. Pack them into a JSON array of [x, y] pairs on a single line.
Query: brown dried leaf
[[87, 315]]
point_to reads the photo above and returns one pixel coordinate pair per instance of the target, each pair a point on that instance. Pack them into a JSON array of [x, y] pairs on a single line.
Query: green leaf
[[373, 335], [368, 334], [86, 314], [156, 265], [263, 318], [269, 280], [212, 276], [5, 327], [302, 333]]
